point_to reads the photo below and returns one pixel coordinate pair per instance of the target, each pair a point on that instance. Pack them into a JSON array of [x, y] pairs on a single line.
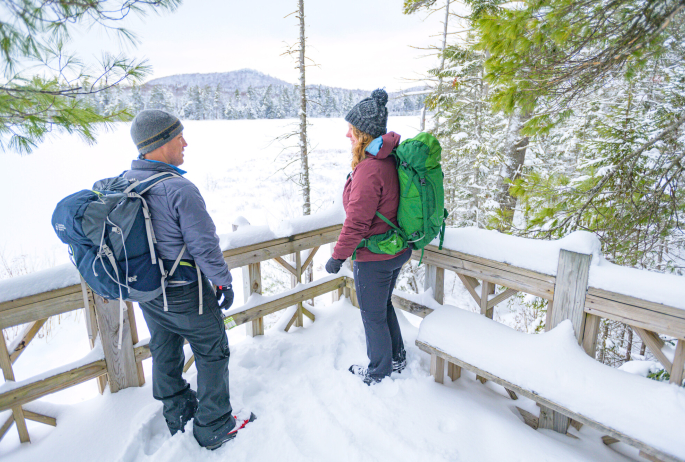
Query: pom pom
[[380, 95]]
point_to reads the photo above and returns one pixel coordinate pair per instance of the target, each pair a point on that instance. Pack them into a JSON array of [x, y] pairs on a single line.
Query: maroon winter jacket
[[373, 186]]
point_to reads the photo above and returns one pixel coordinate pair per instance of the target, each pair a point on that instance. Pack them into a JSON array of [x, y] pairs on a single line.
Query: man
[[179, 217]]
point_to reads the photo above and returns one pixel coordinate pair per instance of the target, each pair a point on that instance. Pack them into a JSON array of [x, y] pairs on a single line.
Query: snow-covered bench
[[553, 370]]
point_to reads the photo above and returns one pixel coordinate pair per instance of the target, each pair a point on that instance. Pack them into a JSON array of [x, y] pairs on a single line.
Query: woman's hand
[[333, 265]]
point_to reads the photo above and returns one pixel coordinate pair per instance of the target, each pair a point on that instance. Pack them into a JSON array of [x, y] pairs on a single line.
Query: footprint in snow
[[147, 435]]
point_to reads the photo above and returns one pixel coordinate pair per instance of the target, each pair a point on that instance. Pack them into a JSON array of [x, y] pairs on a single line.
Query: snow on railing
[[650, 302], [542, 256]]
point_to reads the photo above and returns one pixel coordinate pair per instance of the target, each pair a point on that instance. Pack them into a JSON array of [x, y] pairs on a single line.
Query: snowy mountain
[[239, 80], [242, 94]]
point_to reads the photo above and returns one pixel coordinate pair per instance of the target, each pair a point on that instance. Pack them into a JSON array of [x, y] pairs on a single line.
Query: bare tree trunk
[[442, 60], [304, 160], [605, 335], [510, 171], [629, 348], [304, 173]]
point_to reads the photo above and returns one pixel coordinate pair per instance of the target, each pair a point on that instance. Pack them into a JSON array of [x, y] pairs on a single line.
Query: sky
[[360, 44]]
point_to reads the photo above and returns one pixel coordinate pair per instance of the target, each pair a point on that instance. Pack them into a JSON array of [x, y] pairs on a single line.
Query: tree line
[[213, 102]]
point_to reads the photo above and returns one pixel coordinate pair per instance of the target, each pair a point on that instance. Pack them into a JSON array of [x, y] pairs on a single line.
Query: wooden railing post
[[93, 332], [434, 278], [570, 291], [122, 369], [252, 284], [134, 340], [8, 373], [297, 279], [337, 293], [487, 288]]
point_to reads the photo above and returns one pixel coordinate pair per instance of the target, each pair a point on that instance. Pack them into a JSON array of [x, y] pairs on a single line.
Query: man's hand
[[333, 265], [227, 293]]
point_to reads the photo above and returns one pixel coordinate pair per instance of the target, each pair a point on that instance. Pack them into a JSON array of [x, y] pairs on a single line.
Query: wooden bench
[[442, 324]]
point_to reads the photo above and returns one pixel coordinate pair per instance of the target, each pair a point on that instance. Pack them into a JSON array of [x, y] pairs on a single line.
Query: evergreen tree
[[159, 99], [252, 104], [267, 109], [218, 107], [137, 102], [43, 89], [562, 49], [193, 104], [330, 107]]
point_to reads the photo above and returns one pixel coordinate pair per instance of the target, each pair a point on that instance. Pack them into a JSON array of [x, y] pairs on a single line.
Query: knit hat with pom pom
[[370, 114]]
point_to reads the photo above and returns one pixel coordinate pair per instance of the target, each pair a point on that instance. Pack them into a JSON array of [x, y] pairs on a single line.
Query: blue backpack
[[111, 240]]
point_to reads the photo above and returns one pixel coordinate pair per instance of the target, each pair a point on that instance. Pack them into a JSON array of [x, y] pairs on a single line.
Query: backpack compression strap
[[365, 242]]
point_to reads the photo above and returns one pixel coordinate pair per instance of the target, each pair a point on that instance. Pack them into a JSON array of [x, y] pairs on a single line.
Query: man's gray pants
[[207, 338], [374, 282]]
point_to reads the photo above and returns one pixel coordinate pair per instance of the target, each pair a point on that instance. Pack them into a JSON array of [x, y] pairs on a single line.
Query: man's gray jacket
[[179, 216]]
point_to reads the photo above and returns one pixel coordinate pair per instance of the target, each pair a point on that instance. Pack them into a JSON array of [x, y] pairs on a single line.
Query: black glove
[[333, 265], [227, 293]]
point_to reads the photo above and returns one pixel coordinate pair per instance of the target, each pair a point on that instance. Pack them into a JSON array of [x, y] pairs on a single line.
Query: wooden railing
[[647, 318], [121, 368]]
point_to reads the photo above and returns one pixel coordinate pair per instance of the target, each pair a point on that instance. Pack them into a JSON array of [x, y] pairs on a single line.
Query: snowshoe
[[241, 421]]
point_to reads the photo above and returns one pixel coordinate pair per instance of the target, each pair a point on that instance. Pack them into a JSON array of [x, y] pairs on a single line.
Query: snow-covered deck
[[310, 408]]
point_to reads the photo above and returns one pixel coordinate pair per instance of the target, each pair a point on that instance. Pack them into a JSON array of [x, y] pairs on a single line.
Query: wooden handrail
[[642, 314], [625, 308]]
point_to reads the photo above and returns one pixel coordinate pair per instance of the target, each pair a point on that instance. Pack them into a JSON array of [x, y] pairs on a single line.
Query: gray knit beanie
[[153, 128], [370, 114]]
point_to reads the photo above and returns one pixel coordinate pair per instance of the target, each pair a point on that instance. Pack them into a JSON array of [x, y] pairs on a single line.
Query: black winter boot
[[188, 412], [364, 374], [398, 365]]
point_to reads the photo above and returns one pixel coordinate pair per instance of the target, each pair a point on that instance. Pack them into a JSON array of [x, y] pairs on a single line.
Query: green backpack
[[421, 213]]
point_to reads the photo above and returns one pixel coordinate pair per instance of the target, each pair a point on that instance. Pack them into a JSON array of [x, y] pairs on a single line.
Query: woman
[[373, 186]]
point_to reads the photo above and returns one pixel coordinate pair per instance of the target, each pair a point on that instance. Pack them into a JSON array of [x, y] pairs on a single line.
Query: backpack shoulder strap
[[379, 215], [155, 179]]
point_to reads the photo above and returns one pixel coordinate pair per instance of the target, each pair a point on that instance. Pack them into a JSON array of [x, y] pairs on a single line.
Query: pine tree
[[38, 94], [562, 49], [159, 99], [137, 102], [193, 104], [218, 107]]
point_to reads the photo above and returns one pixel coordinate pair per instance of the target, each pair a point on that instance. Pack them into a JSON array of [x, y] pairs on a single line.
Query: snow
[[310, 408], [95, 354], [543, 257], [41, 281], [668, 289], [258, 299], [247, 234], [641, 368], [554, 366], [532, 254]]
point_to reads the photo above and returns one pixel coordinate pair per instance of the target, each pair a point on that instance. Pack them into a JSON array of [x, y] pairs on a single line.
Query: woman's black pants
[[374, 282]]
